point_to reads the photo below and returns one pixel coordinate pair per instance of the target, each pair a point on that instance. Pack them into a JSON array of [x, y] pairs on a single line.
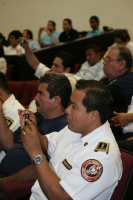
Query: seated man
[[52, 35], [10, 108], [14, 47], [94, 23], [69, 33], [119, 78], [81, 154], [29, 36], [52, 99], [93, 67], [63, 63]]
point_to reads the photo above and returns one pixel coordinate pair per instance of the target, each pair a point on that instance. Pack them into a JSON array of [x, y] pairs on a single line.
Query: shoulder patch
[[102, 146], [91, 170], [9, 121]]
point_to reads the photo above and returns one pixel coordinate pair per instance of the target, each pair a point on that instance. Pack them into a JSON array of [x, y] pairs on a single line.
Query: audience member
[[52, 99], [10, 107], [69, 33], [3, 42], [52, 35], [63, 63], [29, 36], [93, 67], [14, 47], [94, 23], [80, 154], [3, 64], [119, 78], [122, 37]]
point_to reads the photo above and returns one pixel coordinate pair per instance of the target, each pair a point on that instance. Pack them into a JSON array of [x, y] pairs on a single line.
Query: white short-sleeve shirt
[[74, 159]]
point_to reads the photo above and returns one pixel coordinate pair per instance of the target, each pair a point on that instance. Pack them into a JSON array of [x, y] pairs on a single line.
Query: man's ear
[[67, 70], [56, 100], [95, 115], [122, 64]]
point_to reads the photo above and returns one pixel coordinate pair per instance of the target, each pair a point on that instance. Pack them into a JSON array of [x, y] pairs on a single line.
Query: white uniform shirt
[[3, 65], [18, 50], [94, 72], [72, 150]]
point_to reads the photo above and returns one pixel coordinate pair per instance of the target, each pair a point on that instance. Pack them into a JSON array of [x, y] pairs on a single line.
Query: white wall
[[33, 14]]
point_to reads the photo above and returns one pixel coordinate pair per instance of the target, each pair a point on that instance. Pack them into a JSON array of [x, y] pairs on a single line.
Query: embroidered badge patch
[[91, 170], [9, 121], [102, 146]]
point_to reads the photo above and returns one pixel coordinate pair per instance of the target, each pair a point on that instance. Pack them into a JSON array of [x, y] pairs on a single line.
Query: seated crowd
[[71, 112]]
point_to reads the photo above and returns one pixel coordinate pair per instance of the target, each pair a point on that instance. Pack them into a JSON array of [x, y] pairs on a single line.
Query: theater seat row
[[23, 91]]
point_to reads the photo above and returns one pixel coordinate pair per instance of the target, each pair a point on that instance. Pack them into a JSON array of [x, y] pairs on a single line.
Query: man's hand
[[23, 113], [120, 119], [25, 44], [31, 139]]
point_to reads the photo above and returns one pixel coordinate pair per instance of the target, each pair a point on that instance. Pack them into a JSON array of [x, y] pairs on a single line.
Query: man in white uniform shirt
[[82, 155]]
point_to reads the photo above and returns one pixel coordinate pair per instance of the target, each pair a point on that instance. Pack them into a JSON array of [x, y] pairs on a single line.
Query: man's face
[[94, 25], [13, 41], [79, 120], [119, 41], [112, 64], [25, 35], [92, 57], [50, 27], [43, 103], [66, 26], [57, 66]]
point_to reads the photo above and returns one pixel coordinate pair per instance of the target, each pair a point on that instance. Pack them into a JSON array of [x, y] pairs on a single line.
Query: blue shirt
[[34, 45], [47, 39], [94, 32]]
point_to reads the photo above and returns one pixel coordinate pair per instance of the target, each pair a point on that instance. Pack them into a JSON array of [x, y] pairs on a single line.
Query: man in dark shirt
[[52, 99], [69, 33], [119, 78]]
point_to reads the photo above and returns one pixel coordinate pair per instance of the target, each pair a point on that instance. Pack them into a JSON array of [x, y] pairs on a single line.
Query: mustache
[[37, 104]]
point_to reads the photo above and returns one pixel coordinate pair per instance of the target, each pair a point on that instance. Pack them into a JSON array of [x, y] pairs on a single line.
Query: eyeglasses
[[106, 59]]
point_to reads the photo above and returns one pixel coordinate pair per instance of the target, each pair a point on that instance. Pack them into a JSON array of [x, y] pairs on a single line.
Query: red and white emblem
[[91, 170]]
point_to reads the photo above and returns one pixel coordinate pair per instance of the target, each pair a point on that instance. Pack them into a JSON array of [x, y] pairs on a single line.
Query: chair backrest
[[124, 189]]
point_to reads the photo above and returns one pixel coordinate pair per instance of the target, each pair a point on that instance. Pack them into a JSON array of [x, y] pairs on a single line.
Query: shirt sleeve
[[41, 69]]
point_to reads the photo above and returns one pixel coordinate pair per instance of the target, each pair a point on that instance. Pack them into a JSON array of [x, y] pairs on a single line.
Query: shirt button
[[86, 143]]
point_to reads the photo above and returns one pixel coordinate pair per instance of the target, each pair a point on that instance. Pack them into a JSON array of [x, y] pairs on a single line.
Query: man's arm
[[6, 135], [31, 58], [48, 180], [26, 174]]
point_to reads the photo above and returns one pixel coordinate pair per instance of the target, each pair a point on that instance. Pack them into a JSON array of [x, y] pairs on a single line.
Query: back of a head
[[95, 48], [122, 34], [97, 98], [15, 33], [124, 54], [58, 85], [95, 18], [3, 83], [29, 33], [67, 60], [3, 40]]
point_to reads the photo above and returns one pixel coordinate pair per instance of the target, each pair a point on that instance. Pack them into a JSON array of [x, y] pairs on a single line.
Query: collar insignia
[[102, 146]]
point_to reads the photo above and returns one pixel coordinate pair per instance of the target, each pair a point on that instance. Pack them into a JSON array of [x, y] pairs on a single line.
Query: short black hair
[[95, 47], [52, 22], [3, 83], [68, 20], [29, 32], [58, 85], [124, 54], [2, 55], [122, 34], [67, 60], [97, 98], [95, 18], [3, 39], [15, 33]]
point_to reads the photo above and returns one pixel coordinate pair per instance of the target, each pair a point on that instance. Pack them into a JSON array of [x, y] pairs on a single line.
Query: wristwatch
[[38, 159]]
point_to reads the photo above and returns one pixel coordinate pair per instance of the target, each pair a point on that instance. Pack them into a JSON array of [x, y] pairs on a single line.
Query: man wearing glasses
[[119, 78]]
